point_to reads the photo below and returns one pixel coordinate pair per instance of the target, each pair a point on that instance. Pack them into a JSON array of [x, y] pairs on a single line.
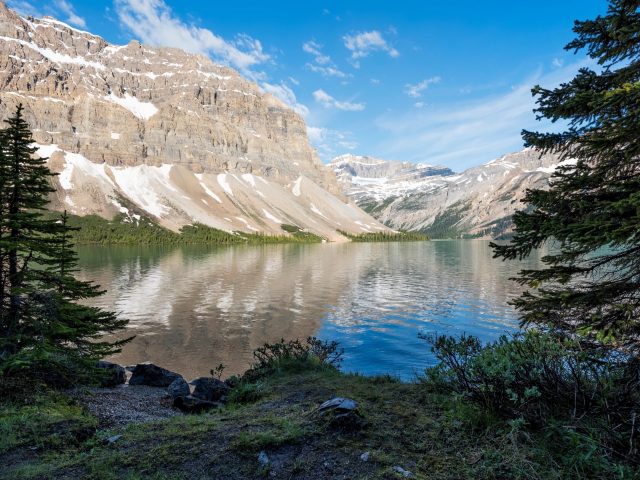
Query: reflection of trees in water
[[193, 308]]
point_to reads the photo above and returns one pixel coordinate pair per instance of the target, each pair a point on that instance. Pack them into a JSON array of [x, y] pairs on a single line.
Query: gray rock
[[178, 388], [210, 389], [113, 439], [152, 375], [191, 404], [339, 404], [403, 472], [365, 456], [114, 374], [348, 422], [263, 459]]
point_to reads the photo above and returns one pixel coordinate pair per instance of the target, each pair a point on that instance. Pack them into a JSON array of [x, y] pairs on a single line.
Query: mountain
[[134, 129], [478, 202]]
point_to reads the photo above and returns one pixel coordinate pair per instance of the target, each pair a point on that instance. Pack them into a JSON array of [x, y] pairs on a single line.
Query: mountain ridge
[[477, 202], [183, 138]]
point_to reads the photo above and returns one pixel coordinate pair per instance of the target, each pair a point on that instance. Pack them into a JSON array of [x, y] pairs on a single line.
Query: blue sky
[[422, 81]]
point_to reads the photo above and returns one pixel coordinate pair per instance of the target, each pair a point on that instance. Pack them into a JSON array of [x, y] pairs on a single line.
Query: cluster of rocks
[[208, 392]]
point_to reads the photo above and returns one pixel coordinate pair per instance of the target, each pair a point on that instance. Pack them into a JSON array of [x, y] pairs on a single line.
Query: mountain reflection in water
[[195, 307]]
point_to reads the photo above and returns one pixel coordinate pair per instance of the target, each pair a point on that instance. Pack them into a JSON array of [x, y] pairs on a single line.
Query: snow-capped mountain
[[176, 136], [477, 202]]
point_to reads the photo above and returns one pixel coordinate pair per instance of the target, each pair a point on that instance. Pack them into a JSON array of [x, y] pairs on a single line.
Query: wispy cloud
[[362, 44], [153, 22], [70, 14], [322, 63], [330, 143], [61, 9], [469, 132], [284, 93], [24, 7], [327, 101], [415, 91]]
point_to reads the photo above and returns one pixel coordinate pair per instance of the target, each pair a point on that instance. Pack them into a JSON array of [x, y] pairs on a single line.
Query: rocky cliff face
[[477, 202], [158, 126]]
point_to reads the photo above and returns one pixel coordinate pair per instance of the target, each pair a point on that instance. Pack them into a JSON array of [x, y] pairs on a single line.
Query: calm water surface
[[195, 307]]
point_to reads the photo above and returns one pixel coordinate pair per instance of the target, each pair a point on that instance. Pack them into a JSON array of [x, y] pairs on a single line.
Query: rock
[[365, 456], [178, 388], [191, 404], [114, 374], [263, 459], [210, 389], [348, 422], [339, 404], [403, 472], [113, 439], [152, 375]]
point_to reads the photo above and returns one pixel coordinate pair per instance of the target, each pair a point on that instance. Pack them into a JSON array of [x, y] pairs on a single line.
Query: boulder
[[339, 405], [152, 375], [191, 404], [178, 388], [114, 374], [348, 422], [210, 389]]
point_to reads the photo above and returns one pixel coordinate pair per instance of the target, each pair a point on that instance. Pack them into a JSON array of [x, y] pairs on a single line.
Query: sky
[[435, 82]]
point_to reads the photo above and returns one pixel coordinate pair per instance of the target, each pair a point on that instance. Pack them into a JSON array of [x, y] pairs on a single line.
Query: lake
[[195, 307]]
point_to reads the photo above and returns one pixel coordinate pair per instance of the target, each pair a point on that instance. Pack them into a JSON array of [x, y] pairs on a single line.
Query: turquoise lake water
[[195, 307]]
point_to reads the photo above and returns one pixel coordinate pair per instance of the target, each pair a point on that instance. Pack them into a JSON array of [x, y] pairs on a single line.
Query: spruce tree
[[39, 314], [590, 216]]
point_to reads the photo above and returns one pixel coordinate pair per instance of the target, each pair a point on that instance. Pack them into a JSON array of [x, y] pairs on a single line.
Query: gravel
[[126, 404]]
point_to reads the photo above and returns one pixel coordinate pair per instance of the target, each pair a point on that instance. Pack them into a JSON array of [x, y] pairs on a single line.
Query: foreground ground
[[270, 429]]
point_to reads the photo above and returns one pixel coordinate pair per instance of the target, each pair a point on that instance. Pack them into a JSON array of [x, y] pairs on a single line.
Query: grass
[[435, 436]]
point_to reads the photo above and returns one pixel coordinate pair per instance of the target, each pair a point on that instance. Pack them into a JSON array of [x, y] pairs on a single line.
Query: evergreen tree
[[590, 215], [38, 291]]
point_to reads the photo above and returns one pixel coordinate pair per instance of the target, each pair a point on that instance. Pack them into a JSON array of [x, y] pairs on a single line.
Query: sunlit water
[[195, 307]]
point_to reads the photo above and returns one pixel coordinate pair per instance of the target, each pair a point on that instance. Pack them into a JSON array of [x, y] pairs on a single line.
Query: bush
[[293, 355], [540, 381]]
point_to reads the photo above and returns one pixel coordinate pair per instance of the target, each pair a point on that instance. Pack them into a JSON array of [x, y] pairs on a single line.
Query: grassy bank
[[431, 435]]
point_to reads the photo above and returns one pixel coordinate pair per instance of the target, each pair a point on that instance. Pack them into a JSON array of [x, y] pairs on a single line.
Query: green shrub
[[293, 355], [247, 392], [542, 381]]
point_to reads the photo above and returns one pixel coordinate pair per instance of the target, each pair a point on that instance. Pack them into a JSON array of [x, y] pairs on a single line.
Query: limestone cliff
[[158, 126]]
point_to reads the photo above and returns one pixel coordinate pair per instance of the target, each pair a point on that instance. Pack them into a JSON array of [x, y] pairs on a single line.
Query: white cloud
[[24, 8], [375, 81], [363, 43], [327, 71], [330, 143], [327, 101], [71, 16], [557, 62], [322, 63], [153, 22], [284, 93], [419, 104], [471, 131], [415, 91]]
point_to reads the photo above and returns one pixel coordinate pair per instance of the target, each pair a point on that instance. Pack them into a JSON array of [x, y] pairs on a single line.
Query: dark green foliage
[[43, 327], [123, 230], [539, 379], [301, 235], [445, 223], [385, 236], [591, 283], [293, 355]]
